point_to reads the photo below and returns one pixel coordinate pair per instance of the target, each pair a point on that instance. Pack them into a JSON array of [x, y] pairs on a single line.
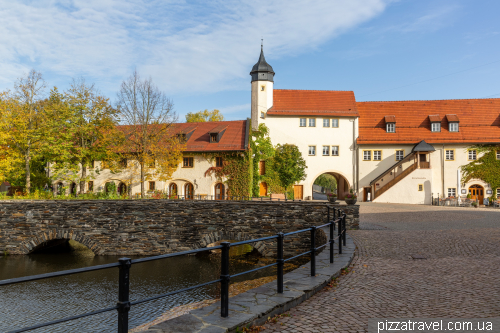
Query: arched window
[[60, 188], [172, 190], [72, 189], [189, 191], [122, 189], [220, 191]]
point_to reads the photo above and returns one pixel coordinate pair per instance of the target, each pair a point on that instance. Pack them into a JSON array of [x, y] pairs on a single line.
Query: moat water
[[31, 303]]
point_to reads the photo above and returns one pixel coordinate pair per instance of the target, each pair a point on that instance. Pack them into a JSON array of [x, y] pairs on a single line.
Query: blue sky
[[200, 52]]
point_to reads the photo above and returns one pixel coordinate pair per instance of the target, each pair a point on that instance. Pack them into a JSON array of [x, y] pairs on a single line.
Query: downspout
[[354, 183], [442, 170]]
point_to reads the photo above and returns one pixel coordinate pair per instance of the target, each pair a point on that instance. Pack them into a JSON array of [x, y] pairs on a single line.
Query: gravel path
[[459, 277]]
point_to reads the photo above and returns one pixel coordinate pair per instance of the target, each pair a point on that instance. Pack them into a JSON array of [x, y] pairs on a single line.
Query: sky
[[200, 53]]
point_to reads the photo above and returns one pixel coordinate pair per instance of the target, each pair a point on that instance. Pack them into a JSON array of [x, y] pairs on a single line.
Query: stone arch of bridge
[[38, 240], [218, 236]]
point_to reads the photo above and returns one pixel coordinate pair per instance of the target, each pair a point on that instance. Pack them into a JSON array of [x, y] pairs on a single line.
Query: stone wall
[[151, 227]]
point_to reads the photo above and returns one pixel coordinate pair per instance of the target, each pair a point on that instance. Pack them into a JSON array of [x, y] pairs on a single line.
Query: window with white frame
[[303, 122], [400, 155], [312, 150], [436, 127], [312, 122], [335, 150], [498, 154], [367, 155], [377, 155], [453, 127], [335, 123], [326, 150], [391, 127], [326, 122], [450, 155], [452, 192], [472, 155], [498, 193]]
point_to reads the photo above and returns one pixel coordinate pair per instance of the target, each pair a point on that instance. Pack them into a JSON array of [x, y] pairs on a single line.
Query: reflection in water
[[30, 303]]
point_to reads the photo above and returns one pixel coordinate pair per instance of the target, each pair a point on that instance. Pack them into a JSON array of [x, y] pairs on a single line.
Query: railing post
[[280, 262], [224, 276], [340, 235], [313, 251], [332, 242], [123, 294], [344, 230]]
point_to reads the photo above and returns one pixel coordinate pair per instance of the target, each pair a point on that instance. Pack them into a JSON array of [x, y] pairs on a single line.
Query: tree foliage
[[327, 181], [261, 149], [149, 135], [25, 123], [203, 116], [89, 135], [486, 167], [287, 166]]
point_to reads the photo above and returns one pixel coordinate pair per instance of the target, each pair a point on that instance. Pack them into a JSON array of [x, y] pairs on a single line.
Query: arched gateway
[[341, 189]]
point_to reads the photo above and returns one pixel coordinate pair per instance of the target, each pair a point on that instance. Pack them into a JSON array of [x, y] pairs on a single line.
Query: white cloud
[[201, 46]]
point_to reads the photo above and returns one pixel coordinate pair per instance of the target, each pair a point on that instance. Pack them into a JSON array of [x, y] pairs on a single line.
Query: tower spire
[[262, 71]]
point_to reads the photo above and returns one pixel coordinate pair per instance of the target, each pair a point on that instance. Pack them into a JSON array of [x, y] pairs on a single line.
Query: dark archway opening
[[330, 182], [60, 246]]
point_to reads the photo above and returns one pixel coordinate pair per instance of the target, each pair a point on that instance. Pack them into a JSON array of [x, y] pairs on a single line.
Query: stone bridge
[[152, 227]]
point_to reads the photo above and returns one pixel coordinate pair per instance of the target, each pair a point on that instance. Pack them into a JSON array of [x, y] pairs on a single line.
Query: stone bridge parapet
[[152, 227]]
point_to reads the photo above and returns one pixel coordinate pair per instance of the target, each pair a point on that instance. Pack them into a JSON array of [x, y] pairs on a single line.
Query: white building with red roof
[[399, 151]]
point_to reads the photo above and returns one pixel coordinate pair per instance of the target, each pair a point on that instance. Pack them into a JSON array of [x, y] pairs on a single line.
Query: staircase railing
[[395, 180]]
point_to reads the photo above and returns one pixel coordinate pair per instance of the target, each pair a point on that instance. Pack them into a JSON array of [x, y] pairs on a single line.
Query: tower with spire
[[262, 89]]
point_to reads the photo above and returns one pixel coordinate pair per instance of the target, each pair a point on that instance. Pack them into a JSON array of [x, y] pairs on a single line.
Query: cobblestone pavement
[[460, 277]]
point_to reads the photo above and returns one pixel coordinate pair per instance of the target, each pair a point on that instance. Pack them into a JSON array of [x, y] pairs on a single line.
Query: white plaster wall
[[369, 170], [406, 191], [261, 100], [287, 130], [195, 175]]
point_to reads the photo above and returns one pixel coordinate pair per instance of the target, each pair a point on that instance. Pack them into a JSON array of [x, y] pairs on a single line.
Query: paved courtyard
[[460, 277]]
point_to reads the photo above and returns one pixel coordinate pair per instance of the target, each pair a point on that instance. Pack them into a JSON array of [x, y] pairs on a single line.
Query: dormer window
[[452, 122], [390, 124], [391, 128], [435, 123], [213, 137]]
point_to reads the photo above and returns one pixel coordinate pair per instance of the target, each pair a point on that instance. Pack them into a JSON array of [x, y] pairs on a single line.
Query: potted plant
[[474, 204], [332, 197], [351, 197]]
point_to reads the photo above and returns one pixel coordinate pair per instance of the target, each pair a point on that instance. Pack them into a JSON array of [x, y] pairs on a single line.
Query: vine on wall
[[486, 167], [235, 168]]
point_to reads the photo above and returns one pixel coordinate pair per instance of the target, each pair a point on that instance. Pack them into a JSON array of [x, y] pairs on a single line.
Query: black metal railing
[[123, 305]]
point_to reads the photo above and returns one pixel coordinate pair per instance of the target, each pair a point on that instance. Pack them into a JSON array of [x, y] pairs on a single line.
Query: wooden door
[[298, 192], [477, 193], [219, 191], [189, 191], [263, 189], [365, 193], [172, 191]]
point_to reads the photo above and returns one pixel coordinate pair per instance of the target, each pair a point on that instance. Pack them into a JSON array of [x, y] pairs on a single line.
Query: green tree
[[90, 136], [486, 167], [203, 116], [327, 181], [287, 166]]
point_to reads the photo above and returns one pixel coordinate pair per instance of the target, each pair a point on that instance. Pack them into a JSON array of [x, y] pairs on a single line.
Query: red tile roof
[[479, 121], [313, 103], [435, 119], [233, 138], [390, 119]]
